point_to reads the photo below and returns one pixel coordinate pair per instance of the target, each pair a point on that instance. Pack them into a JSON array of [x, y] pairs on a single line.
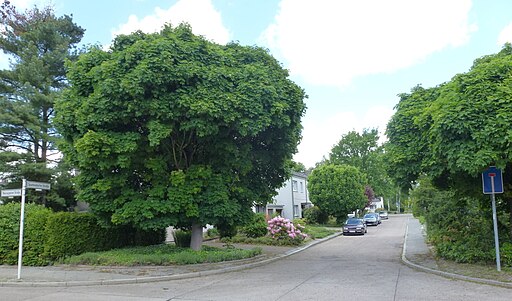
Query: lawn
[[163, 254]]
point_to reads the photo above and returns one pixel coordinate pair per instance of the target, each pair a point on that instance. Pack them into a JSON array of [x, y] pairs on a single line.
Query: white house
[[377, 202], [292, 198]]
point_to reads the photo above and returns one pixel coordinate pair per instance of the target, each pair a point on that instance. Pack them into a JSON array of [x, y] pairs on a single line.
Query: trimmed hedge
[[49, 236], [75, 233], [72, 234], [33, 234]]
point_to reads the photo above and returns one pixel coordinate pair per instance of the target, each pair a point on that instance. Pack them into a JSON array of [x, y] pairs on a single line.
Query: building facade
[[291, 199]]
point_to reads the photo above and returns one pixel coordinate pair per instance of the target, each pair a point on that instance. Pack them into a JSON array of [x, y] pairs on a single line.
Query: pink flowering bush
[[283, 229]]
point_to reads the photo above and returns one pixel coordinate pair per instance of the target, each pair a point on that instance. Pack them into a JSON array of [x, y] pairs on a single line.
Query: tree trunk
[[196, 240]]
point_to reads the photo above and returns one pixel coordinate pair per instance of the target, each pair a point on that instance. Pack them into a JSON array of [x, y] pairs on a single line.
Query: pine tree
[[37, 43]]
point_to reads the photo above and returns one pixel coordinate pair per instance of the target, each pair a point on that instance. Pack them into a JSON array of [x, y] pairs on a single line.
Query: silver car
[[371, 219]]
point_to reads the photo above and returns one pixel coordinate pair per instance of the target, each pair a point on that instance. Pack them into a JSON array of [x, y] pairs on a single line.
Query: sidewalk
[[416, 254], [65, 275]]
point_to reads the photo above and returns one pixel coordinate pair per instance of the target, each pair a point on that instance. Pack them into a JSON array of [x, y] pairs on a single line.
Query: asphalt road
[[345, 268]]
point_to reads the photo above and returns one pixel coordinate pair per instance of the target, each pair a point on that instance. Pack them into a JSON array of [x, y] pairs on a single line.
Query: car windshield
[[353, 221], [368, 215]]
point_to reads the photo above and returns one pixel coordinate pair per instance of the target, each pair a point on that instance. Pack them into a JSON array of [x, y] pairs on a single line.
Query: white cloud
[[505, 35], [200, 14], [330, 42], [24, 4], [319, 136]]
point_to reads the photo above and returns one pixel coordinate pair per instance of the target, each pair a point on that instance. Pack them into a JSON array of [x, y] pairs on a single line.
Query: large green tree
[[456, 130], [362, 150], [337, 189], [171, 129], [37, 43]]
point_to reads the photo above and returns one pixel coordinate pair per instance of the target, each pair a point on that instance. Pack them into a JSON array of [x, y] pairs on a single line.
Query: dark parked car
[[371, 219], [354, 226]]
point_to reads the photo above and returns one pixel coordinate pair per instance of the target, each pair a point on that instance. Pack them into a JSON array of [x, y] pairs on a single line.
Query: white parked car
[[383, 214]]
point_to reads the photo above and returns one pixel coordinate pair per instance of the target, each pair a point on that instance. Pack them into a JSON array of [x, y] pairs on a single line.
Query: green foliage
[[212, 233], [34, 238], [459, 227], [363, 152], [49, 236], [265, 240], [161, 255], [337, 189], [315, 215], [318, 232], [452, 133], [182, 238], [69, 233], [257, 226], [171, 129], [506, 254], [39, 43], [227, 230]]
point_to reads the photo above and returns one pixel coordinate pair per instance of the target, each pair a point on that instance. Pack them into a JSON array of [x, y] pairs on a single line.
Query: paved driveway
[[345, 268]]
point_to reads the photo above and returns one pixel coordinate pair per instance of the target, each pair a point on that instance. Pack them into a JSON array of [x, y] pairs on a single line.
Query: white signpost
[[9, 193], [21, 192], [38, 185]]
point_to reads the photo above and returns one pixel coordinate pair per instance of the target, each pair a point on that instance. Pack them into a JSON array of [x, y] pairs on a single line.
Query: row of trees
[[442, 138], [164, 129]]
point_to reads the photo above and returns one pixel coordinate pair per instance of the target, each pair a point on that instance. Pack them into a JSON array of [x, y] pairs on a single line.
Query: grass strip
[[163, 254]]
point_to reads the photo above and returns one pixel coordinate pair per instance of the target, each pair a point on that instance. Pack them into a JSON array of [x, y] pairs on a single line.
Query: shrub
[[283, 229], [70, 233], [33, 237], [212, 232], [257, 227], [315, 215], [506, 254], [144, 237], [227, 230], [182, 238]]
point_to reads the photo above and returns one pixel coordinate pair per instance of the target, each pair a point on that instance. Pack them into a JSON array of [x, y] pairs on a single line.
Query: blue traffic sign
[[492, 176]]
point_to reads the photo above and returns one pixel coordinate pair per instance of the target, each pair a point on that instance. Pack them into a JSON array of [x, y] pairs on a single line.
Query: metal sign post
[[22, 222], [492, 177], [22, 192]]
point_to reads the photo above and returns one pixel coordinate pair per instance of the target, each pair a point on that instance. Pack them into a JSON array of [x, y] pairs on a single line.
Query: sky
[[352, 58]]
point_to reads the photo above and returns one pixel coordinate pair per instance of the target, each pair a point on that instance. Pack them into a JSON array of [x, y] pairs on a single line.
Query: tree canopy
[[364, 152], [337, 189], [171, 129], [454, 131], [37, 43]]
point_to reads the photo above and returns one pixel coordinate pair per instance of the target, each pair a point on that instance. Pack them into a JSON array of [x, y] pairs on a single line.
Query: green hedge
[[49, 236], [72, 234], [75, 233], [33, 234]]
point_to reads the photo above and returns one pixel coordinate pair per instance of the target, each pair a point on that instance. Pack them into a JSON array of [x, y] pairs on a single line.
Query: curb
[[165, 278], [447, 274]]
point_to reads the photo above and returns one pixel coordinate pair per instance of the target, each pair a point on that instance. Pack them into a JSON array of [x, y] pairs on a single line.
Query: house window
[[294, 185], [301, 187], [296, 210], [260, 209]]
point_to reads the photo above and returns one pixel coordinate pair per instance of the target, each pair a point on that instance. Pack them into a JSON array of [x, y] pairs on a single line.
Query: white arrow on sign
[[38, 185], [11, 192]]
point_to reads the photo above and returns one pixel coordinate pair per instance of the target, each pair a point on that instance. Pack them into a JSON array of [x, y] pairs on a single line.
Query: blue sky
[[351, 57]]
